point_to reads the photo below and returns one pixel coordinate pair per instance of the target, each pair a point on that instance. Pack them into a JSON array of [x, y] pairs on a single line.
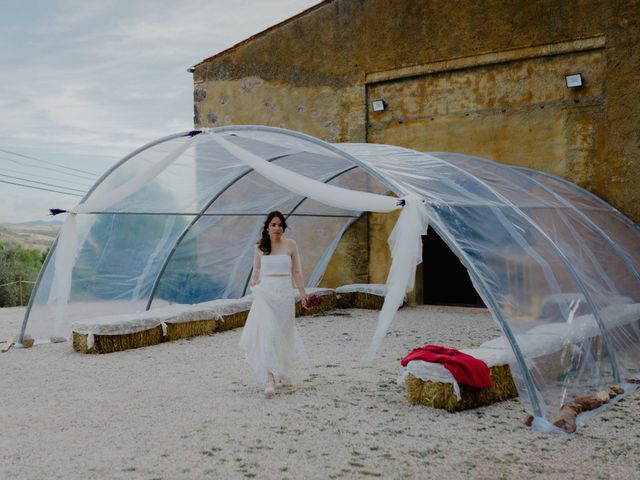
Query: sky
[[85, 82]]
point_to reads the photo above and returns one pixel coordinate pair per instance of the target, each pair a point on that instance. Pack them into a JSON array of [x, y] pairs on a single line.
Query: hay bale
[[441, 395], [345, 300], [328, 302], [367, 301], [362, 295], [117, 343], [231, 321], [194, 328], [114, 333]]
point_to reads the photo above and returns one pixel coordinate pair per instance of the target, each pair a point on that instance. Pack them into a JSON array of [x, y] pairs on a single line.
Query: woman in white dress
[[270, 339]]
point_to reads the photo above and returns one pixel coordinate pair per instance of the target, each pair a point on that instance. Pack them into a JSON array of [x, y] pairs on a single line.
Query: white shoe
[[269, 390]]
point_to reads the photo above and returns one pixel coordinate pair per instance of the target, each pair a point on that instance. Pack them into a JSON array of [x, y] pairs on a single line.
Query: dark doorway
[[445, 280]]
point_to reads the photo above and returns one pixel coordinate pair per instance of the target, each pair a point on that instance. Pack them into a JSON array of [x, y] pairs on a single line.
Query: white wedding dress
[[270, 338]]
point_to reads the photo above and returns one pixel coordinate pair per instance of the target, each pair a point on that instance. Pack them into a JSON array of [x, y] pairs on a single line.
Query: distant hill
[[39, 223], [33, 235]]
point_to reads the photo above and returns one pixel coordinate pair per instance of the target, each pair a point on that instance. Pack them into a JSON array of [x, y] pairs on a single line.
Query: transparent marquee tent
[[176, 221]]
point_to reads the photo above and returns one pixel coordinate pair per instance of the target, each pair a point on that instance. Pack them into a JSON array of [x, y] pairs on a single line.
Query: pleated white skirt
[[270, 338]]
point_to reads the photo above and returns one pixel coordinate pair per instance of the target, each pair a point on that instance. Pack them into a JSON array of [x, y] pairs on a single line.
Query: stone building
[[488, 78]]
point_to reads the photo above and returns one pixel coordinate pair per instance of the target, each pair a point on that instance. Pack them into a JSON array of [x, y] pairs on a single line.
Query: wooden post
[[20, 288]]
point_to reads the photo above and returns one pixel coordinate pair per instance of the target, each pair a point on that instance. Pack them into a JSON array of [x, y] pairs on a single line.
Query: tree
[[17, 263]]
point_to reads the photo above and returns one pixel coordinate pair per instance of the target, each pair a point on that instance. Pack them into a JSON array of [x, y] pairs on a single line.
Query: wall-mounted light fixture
[[191, 69], [378, 105], [574, 80]]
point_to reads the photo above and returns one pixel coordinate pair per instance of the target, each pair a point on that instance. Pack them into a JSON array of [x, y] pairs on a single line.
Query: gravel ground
[[190, 409]]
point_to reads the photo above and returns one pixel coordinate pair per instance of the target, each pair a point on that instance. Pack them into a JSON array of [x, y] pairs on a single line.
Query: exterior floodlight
[[378, 105], [191, 69], [574, 80]]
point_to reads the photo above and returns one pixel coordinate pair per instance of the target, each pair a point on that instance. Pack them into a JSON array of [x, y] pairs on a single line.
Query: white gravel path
[[190, 410]]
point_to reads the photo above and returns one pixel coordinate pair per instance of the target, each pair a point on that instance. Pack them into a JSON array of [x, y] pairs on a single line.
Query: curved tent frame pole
[[567, 263], [188, 228], [621, 253], [104, 176], [480, 284], [295, 207], [484, 290], [33, 292]]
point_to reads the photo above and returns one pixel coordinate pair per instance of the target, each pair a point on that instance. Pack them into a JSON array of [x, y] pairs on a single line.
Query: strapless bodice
[[275, 265]]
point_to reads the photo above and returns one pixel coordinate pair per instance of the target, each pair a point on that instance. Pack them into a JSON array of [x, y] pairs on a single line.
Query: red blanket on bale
[[464, 368]]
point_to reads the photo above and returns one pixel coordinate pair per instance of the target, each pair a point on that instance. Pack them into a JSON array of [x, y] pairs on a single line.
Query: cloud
[[104, 78]]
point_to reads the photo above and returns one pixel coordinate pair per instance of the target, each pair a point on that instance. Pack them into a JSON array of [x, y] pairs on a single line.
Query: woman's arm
[[296, 273], [255, 276]]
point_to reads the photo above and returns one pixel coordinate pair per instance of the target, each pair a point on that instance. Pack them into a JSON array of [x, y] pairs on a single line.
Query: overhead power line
[[40, 188], [47, 177], [42, 183], [52, 169], [47, 162]]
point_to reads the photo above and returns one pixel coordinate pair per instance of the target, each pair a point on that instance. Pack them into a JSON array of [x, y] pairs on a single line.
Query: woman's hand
[[304, 299], [253, 282]]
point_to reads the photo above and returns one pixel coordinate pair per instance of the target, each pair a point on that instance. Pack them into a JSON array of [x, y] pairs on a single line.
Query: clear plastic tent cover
[[557, 267]]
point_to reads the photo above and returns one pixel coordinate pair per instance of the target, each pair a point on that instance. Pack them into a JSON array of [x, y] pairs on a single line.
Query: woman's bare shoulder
[[292, 246], [291, 242]]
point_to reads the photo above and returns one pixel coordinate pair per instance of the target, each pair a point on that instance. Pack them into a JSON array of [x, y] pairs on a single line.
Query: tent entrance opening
[[445, 280]]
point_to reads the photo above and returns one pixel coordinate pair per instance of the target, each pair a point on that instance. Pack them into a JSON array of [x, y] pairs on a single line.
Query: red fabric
[[464, 368]]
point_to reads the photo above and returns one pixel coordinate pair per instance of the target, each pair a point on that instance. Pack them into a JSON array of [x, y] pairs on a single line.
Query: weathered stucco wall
[[321, 111], [481, 77], [350, 261], [310, 74], [518, 112]]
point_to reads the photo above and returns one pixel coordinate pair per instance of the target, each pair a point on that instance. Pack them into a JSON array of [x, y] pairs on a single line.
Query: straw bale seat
[[113, 333], [207, 318], [328, 300], [361, 295], [546, 344], [432, 385]]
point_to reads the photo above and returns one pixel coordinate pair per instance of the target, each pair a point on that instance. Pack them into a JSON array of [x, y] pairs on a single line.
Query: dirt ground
[[190, 409]]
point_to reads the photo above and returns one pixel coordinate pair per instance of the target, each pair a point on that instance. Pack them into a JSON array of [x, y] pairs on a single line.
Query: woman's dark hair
[[264, 244]]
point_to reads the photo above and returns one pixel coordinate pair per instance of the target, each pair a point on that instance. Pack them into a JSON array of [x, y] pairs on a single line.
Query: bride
[[270, 339]]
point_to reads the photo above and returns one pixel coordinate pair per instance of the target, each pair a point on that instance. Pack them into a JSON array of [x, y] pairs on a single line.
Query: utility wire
[[40, 188], [47, 162], [45, 177], [42, 183], [47, 168]]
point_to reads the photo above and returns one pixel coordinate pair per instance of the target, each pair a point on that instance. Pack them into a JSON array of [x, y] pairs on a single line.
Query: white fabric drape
[[405, 241], [307, 187], [69, 245]]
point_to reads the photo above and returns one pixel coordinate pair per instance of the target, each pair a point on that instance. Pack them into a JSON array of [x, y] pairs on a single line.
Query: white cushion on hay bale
[[379, 289]]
